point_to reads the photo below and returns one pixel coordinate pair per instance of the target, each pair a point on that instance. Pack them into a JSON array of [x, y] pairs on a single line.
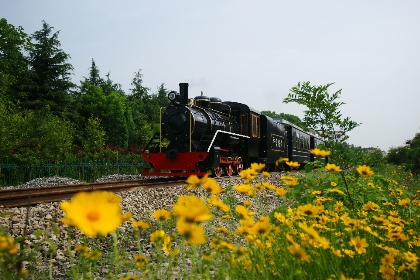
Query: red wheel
[[238, 167], [228, 170], [217, 171]]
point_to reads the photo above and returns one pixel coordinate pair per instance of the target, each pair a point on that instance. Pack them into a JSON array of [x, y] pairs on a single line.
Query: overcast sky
[[252, 52]]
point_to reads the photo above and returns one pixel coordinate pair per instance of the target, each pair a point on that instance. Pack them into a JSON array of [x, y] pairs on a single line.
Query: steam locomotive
[[205, 135]]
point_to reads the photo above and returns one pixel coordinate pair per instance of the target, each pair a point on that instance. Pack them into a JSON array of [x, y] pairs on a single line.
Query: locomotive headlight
[[172, 96]]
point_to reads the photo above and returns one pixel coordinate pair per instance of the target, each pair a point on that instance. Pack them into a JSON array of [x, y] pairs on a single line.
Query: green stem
[[72, 272], [138, 243], [51, 266], [116, 262], [347, 188]]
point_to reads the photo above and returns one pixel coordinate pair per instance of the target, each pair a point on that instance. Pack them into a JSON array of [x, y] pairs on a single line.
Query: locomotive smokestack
[[183, 90]]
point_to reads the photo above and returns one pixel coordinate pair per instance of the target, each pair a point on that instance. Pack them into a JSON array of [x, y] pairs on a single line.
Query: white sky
[[252, 51]]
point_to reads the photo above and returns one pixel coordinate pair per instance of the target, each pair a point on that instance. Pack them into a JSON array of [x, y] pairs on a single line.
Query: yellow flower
[[335, 190], [388, 272], [140, 225], [281, 160], [8, 243], [359, 244], [162, 215], [212, 186], [245, 188], [334, 184], [349, 253], [257, 166], [371, 206], [249, 238], [364, 170], [175, 253], [308, 210], [281, 191], [126, 217], [289, 180], [280, 217], [194, 234], [320, 153], [269, 186], [333, 167], [266, 174], [140, 261], [81, 248], [193, 182], [157, 236], [404, 202], [243, 212], [167, 244], [94, 213], [311, 232], [388, 260], [316, 192], [298, 252], [261, 228], [192, 209], [248, 174], [292, 164]]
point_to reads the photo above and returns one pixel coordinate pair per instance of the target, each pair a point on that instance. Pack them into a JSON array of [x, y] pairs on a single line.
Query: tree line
[[44, 116]]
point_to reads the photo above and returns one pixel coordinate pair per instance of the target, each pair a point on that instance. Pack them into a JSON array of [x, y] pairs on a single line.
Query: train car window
[[244, 124], [255, 126]]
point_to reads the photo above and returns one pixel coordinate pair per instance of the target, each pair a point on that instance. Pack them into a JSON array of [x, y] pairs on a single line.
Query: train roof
[[242, 107], [285, 122]]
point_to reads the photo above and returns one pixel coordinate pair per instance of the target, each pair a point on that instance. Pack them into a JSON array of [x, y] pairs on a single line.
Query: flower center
[[93, 216]]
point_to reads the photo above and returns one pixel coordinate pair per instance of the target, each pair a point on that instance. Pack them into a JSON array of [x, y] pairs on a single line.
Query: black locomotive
[[205, 135]]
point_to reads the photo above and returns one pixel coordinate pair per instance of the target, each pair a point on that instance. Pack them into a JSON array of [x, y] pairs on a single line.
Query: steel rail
[[31, 196]]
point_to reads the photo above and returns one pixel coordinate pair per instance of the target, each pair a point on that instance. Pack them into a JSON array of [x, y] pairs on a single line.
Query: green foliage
[[407, 156], [94, 139], [291, 118], [322, 112], [13, 64], [346, 155], [110, 109], [34, 136], [50, 72]]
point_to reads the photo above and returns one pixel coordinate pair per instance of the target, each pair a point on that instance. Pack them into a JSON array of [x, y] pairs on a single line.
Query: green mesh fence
[[12, 174]]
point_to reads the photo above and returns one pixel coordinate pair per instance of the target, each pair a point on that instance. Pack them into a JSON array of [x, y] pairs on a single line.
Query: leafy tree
[[14, 42], [408, 156], [95, 138], [322, 112], [34, 136], [110, 109], [50, 73], [136, 103], [138, 91], [291, 118]]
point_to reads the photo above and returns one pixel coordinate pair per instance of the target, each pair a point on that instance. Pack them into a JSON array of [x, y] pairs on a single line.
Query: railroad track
[[31, 196]]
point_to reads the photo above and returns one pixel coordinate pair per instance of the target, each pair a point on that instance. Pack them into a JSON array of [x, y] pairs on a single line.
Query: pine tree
[[50, 73], [14, 42]]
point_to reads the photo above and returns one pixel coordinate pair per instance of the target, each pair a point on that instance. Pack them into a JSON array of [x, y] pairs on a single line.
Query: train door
[[244, 124]]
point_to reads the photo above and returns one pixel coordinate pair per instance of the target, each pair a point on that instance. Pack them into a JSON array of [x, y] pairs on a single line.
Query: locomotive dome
[[202, 101]]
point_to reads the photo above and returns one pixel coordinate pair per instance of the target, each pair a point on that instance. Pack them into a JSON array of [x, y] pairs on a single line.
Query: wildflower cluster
[[329, 224]]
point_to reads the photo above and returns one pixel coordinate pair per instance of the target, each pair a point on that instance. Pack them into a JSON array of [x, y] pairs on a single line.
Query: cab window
[[244, 124], [255, 126]]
